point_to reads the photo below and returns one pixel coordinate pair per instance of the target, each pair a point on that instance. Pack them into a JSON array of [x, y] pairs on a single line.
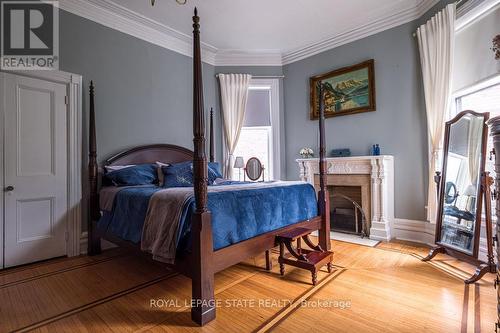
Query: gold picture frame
[[347, 90]]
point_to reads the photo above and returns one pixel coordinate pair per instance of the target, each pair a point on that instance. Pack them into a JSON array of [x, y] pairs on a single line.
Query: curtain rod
[[263, 76]]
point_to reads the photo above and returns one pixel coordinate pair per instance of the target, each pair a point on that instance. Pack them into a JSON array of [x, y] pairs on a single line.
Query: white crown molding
[[117, 17], [390, 20], [248, 58], [472, 11]]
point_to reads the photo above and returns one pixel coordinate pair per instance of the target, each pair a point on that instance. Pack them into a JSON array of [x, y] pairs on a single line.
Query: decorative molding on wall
[[390, 20], [115, 16], [248, 58]]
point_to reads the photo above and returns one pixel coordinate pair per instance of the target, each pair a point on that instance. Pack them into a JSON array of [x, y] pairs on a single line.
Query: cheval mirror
[[462, 187], [254, 169]]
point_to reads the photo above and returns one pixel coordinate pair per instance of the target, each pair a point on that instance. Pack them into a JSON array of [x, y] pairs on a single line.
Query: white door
[[35, 170]]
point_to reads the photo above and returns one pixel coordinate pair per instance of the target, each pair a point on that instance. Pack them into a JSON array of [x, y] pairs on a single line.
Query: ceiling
[[276, 28]]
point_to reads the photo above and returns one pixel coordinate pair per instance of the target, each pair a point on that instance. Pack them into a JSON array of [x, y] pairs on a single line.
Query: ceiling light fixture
[[180, 2]]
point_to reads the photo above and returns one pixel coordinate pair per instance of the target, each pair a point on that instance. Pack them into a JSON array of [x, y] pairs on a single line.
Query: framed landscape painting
[[347, 90]]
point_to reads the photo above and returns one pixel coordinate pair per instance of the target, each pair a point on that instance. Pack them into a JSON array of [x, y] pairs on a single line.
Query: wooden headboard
[[164, 153]]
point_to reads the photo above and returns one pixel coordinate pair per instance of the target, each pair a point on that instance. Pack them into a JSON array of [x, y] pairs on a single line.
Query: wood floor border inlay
[[59, 271], [59, 260], [465, 309], [466, 300], [288, 310], [477, 309], [95, 303]]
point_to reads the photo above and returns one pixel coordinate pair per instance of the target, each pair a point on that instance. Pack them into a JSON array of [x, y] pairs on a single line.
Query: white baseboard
[[414, 231], [403, 229], [84, 241], [423, 232]]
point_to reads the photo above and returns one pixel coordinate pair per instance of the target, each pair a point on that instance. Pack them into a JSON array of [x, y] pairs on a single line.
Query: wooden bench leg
[[314, 277], [282, 255], [329, 266], [269, 261]]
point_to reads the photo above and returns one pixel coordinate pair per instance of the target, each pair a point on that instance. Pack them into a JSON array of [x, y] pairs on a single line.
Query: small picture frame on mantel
[[347, 90]]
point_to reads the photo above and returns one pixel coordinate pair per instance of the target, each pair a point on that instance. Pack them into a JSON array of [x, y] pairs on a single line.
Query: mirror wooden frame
[[483, 194], [261, 174]]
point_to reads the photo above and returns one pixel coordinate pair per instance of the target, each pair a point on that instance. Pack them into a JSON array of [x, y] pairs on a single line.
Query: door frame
[[73, 83]]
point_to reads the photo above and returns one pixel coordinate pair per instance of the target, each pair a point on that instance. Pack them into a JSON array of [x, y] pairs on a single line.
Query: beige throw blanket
[[162, 220]]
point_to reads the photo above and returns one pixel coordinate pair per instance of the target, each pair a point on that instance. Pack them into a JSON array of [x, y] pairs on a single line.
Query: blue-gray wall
[[398, 124], [144, 95], [143, 91]]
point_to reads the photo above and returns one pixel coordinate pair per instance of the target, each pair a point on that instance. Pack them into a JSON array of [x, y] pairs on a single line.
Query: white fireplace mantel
[[381, 169]]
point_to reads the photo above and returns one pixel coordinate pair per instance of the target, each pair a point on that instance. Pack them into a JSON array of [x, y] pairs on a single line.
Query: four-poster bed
[[204, 259]]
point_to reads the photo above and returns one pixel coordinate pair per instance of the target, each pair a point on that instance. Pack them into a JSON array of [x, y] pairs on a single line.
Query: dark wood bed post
[[94, 241], [323, 196], [202, 275], [212, 147]]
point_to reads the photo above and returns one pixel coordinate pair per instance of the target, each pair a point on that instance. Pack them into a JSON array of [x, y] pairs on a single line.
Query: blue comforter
[[237, 215]]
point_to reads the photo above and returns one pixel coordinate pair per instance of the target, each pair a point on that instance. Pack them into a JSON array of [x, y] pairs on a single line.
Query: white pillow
[[161, 177], [110, 168], [218, 181]]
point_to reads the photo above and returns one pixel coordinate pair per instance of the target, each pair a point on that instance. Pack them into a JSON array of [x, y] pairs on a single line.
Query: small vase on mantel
[[306, 153]]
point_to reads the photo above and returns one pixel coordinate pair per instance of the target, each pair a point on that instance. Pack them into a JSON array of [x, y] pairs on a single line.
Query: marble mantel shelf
[[381, 170]]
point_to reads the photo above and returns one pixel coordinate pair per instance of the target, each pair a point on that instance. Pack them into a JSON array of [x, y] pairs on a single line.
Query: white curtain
[[234, 96], [436, 41]]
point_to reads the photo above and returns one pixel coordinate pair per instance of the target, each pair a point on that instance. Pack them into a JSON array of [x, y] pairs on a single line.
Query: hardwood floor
[[382, 289]]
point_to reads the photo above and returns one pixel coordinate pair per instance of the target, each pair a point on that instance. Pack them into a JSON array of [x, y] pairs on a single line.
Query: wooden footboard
[[256, 246]]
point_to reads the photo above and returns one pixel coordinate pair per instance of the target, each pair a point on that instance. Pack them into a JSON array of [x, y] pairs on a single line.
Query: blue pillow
[[181, 174], [178, 175], [214, 168], [142, 174]]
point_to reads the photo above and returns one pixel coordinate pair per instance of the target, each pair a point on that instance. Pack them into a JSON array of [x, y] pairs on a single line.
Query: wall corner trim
[[112, 15], [390, 20], [118, 17]]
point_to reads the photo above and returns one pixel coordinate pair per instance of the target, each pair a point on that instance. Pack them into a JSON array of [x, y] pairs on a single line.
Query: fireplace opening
[[346, 211]]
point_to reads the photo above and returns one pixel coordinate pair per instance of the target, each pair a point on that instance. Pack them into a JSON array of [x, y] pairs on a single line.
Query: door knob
[[9, 189]]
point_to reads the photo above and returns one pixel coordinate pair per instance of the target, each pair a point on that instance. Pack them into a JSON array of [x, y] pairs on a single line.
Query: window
[[259, 135], [484, 97]]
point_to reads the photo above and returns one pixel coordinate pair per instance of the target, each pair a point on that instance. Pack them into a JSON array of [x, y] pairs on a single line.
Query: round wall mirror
[[254, 169]]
